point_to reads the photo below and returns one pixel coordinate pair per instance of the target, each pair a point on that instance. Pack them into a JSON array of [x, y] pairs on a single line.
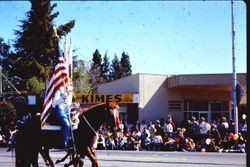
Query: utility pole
[[234, 83], [1, 82]]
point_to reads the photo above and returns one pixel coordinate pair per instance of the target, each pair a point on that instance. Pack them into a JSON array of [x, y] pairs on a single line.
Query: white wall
[[129, 84], [153, 99]]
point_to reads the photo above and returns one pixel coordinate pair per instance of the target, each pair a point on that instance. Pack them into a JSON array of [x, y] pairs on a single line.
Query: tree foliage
[[35, 43], [80, 77], [106, 69], [125, 65], [35, 85], [116, 69], [96, 71], [7, 114], [103, 71]]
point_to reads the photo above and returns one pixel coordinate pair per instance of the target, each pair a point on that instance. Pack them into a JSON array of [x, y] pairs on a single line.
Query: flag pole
[[234, 83]]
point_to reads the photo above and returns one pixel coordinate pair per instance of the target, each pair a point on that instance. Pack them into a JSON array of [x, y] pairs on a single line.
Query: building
[[152, 96]]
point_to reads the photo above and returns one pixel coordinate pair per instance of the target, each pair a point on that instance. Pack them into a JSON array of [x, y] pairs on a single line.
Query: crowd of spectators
[[165, 135], [6, 135]]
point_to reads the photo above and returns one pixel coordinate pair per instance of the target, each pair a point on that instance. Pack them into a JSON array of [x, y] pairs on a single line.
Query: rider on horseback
[[59, 103]]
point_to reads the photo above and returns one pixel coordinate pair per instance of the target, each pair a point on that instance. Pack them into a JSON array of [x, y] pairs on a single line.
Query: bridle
[[91, 127], [107, 109]]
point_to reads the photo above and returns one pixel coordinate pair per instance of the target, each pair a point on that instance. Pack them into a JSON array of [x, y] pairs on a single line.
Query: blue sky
[[161, 37]]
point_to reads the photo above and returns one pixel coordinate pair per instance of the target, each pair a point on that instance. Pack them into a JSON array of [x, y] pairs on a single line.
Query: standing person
[[59, 103], [143, 125], [224, 128], [203, 130], [195, 130], [168, 128], [243, 128]]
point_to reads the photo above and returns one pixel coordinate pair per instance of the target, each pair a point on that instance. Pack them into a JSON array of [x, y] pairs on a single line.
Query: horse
[[84, 137]]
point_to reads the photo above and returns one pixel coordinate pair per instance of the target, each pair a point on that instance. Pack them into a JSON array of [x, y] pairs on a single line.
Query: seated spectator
[[210, 146], [148, 143], [157, 142], [100, 142], [136, 132], [145, 134], [168, 143], [127, 133], [110, 143], [240, 144], [229, 143], [180, 140], [128, 143], [216, 136], [137, 143], [190, 145], [120, 142]]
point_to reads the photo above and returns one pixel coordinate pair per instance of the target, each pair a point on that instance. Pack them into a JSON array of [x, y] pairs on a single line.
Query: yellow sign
[[103, 98]]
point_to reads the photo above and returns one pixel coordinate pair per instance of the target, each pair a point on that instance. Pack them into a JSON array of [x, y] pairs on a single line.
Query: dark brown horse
[[90, 120]]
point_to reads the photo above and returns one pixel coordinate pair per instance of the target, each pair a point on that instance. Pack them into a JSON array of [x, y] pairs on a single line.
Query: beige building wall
[[157, 91], [153, 96], [129, 84]]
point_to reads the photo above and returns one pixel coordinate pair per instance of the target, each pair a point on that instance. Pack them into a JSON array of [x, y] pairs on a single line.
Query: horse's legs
[[74, 159], [46, 157], [64, 158], [21, 158], [34, 159], [92, 156]]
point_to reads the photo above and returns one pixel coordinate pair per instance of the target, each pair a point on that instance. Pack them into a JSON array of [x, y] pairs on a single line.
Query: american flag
[[59, 78]]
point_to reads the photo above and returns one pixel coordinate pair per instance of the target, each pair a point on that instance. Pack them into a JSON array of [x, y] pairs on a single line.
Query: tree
[[35, 85], [35, 43], [8, 62], [96, 71], [7, 114], [80, 77], [116, 70], [106, 69], [125, 65]]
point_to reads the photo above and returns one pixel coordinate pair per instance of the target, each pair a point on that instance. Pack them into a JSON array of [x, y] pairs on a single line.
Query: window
[[219, 106], [193, 105], [174, 105]]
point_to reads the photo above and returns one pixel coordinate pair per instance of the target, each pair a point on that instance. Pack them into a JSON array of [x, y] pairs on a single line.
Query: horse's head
[[113, 118]]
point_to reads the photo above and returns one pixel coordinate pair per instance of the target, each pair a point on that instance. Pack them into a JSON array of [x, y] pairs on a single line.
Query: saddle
[[53, 123]]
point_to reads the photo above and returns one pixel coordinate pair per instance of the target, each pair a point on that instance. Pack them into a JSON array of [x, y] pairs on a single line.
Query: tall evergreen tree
[[116, 70], [96, 70], [106, 69], [125, 65], [36, 39], [7, 62], [80, 77]]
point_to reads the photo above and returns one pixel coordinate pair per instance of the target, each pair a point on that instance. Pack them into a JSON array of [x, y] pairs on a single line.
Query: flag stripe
[[59, 78]]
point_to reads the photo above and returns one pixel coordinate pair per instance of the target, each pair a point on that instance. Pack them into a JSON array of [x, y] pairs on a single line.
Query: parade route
[[117, 158]]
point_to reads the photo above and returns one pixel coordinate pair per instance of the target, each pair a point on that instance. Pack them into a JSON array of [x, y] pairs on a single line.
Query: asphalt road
[[146, 159]]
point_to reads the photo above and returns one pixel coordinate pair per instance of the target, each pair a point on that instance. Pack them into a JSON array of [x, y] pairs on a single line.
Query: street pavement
[[115, 158]]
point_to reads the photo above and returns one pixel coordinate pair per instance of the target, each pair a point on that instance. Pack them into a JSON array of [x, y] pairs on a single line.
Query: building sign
[[103, 98]]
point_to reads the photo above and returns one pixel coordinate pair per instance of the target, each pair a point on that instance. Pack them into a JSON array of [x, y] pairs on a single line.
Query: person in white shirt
[[59, 102], [203, 130], [168, 128]]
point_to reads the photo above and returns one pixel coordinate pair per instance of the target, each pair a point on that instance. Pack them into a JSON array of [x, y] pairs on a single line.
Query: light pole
[[234, 83], [1, 82]]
